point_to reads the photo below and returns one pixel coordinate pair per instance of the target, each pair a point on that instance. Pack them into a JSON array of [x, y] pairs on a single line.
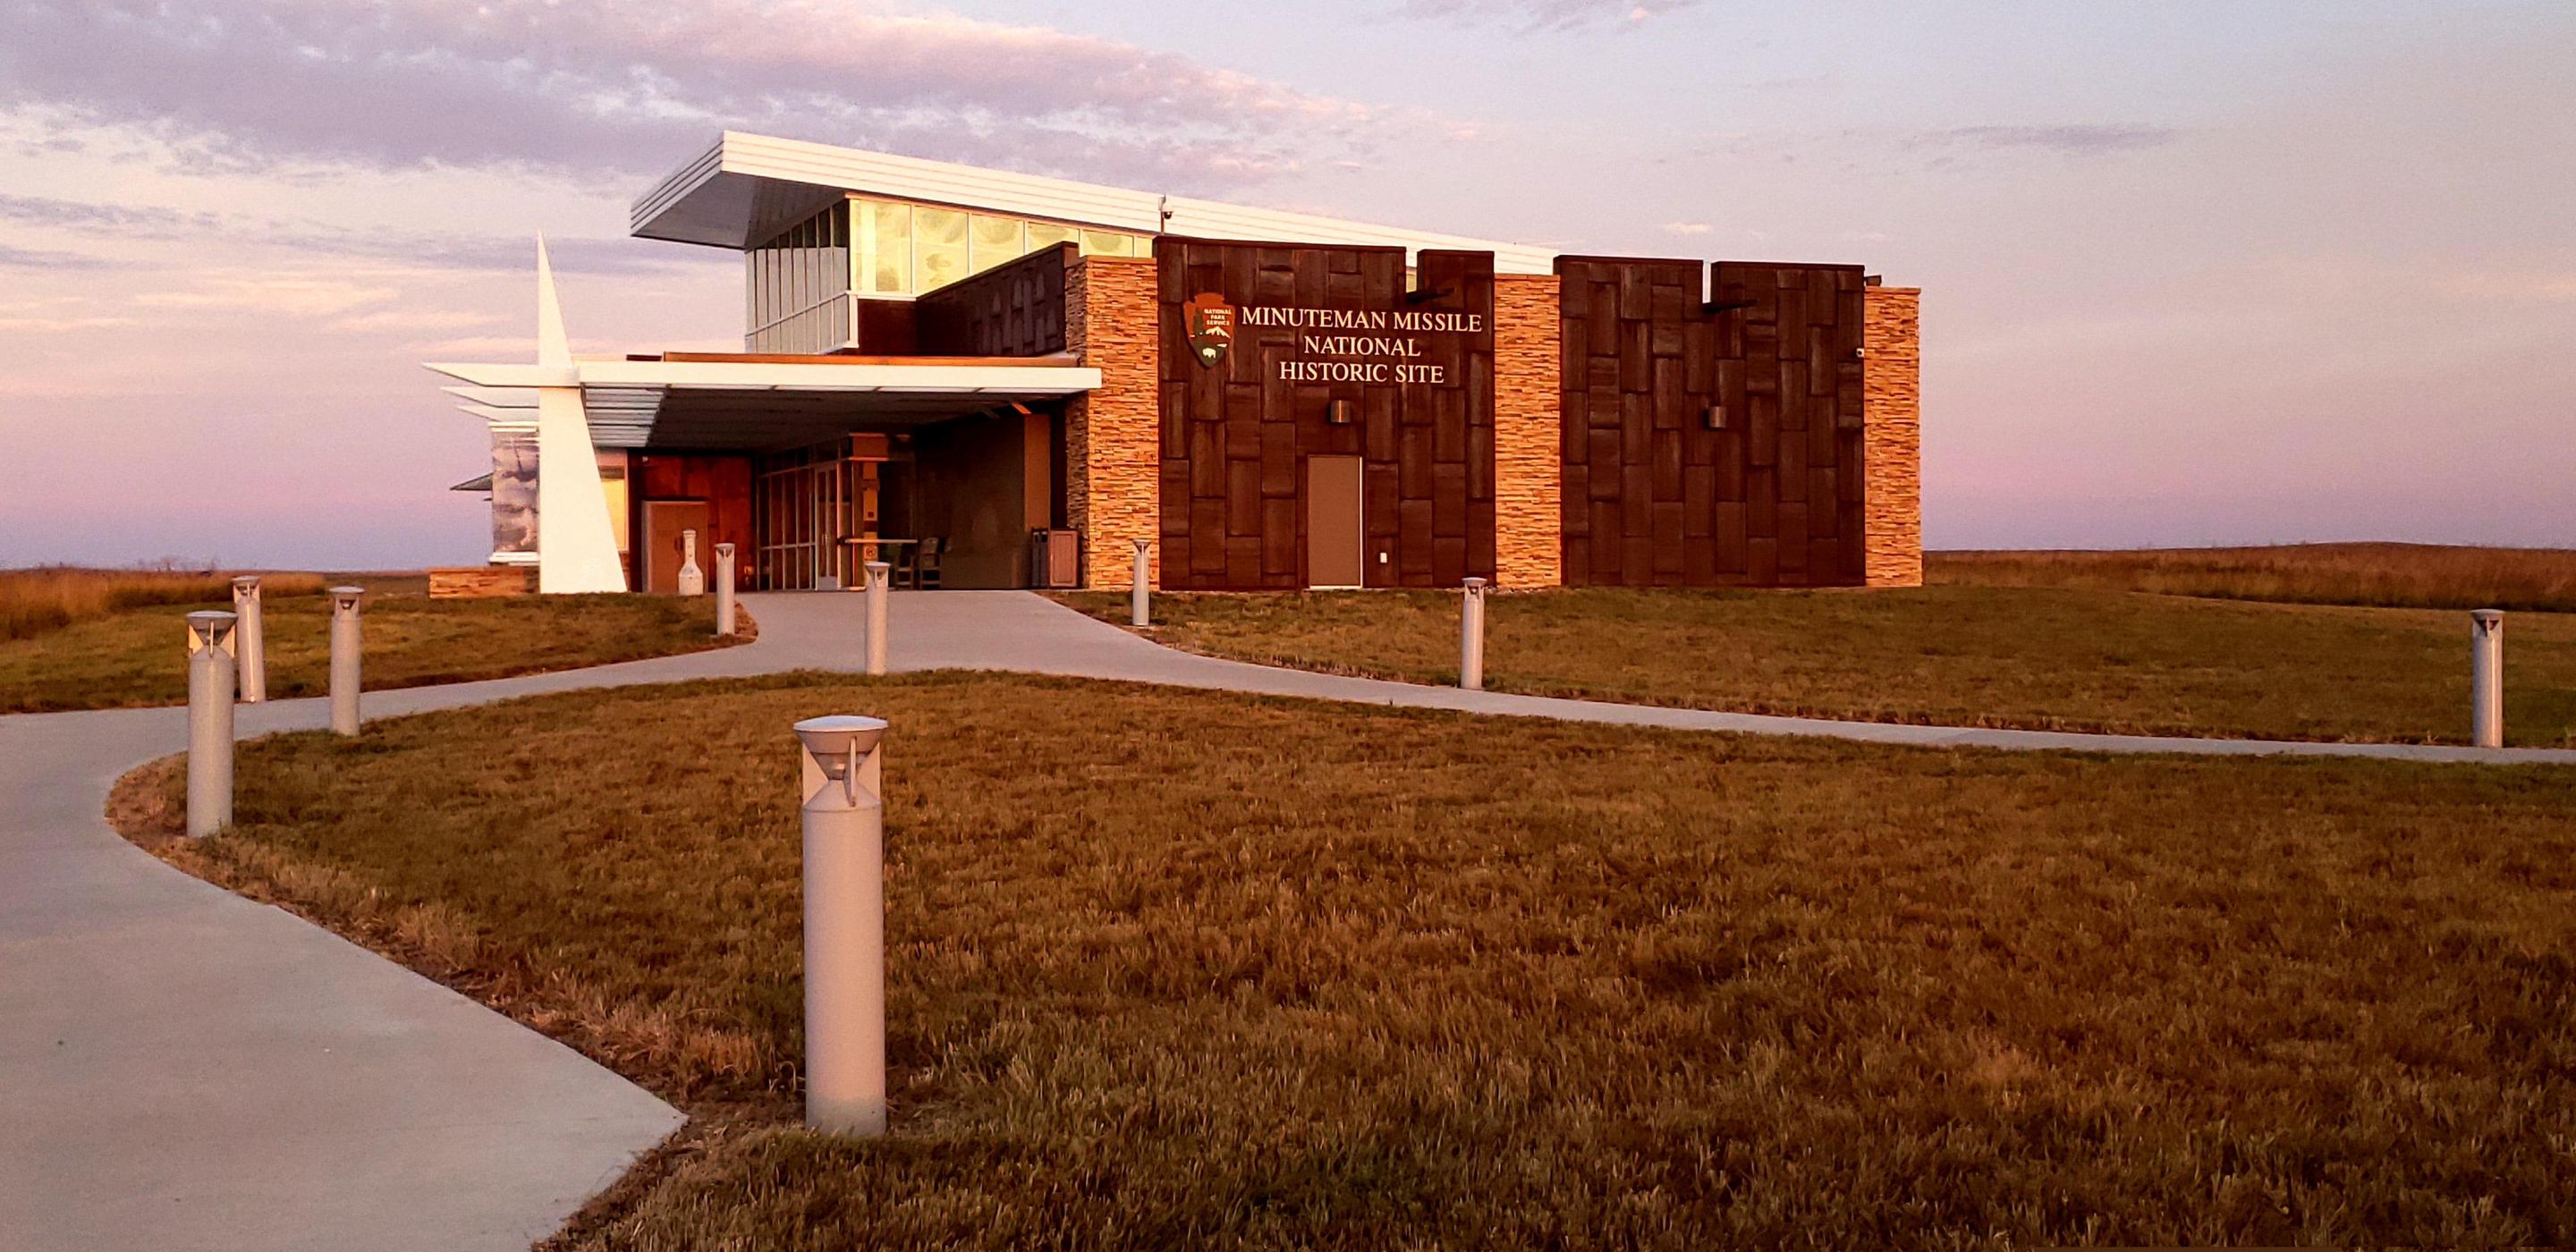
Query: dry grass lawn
[[2031, 657], [2386, 575], [49, 597], [1175, 969], [137, 656]]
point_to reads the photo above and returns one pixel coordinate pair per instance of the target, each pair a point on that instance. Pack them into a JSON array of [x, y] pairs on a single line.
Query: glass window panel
[[1107, 243], [1048, 234], [938, 247], [840, 225], [996, 239], [883, 246]]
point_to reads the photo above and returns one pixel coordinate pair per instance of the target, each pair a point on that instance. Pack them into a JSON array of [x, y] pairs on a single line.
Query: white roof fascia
[[785, 376], [1213, 219], [740, 158]]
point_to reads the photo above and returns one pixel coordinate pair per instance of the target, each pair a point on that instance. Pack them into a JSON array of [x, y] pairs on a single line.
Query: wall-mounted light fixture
[[1715, 417], [1341, 412]]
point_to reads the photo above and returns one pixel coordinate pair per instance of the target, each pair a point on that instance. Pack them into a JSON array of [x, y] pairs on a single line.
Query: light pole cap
[[834, 739], [879, 567], [246, 581], [1475, 584], [210, 619], [1143, 544], [2487, 615], [724, 549]]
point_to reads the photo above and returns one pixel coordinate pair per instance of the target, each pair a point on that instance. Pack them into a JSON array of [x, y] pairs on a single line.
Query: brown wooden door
[[1333, 530], [663, 522]]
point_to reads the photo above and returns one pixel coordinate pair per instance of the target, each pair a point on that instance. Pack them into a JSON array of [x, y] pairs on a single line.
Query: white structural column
[[576, 549]]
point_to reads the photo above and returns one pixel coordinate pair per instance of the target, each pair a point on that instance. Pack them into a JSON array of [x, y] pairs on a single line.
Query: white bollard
[[877, 578], [693, 581], [724, 591], [2486, 678], [345, 649], [1471, 637], [250, 640], [1140, 607], [845, 1061], [211, 651]]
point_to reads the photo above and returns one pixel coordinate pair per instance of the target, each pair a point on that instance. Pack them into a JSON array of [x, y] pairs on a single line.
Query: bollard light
[[877, 578], [211, 652], [346, 645], [724, 591], [844, 817], [1471, 636], [2486, 678], [251, 667], [1140, 608], [693, 581]]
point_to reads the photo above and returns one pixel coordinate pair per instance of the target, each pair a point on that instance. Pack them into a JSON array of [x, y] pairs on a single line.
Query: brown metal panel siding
[[1235, 439], [1015, 309], [1652, 496]]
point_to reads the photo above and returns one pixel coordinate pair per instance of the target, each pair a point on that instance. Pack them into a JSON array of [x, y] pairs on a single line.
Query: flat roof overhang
[[746, 188], [716, 400]]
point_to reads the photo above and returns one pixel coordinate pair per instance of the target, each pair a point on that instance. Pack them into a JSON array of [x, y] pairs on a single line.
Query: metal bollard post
[[345, 647], [1140, 606], [250, 639], [877, 571], [211, 651], [693, 581], [1471, 637], [724, 591], [845, 1061], [2486, 678]]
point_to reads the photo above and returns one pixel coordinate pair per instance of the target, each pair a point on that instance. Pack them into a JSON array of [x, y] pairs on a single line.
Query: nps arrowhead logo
[[1210, 322]]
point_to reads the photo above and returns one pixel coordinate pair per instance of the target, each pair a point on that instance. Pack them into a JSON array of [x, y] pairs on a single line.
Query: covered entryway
[[808, 465]]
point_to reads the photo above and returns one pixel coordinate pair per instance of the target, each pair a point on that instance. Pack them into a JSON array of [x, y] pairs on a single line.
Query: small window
[[1043, 235], [883, 255], [938, 248], [1107, 243], [995, 239]]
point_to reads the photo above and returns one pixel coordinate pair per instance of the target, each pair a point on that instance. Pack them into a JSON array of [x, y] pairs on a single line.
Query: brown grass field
[[136, 656], [1178, 969], [2039, 658], [46, 598], [2385, 575]]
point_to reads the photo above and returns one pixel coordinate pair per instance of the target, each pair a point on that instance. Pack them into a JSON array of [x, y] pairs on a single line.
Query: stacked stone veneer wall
[[1112, 444], [1892, 441], [480, 581], [1528, 462]]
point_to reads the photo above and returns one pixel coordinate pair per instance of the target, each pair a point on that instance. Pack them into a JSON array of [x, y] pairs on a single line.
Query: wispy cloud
[[446, 250], [16, 258], [2076, 139], [591, 86], [1545, 15], [1687, 228]]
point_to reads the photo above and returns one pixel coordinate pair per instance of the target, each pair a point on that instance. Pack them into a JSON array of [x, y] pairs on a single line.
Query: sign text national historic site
[[1335, 345]]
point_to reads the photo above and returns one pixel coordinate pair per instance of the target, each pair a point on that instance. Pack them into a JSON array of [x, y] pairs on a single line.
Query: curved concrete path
[[186, 1069]]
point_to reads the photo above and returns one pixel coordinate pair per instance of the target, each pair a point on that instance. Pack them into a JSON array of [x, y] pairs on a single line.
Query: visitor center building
[[1001, 380]]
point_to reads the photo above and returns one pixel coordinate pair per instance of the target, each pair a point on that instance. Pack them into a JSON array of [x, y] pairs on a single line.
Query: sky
[[2194, 272]]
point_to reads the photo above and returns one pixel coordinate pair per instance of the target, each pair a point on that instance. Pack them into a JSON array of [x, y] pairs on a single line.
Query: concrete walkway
[[186, 1069], [1016, 630]]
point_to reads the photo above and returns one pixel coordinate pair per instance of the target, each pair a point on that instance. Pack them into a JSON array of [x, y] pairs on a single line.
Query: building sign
[[1211, 325], [1334, 345]]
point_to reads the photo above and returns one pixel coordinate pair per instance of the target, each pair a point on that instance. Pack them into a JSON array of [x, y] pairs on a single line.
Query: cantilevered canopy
[[711, 400], [747, 188]]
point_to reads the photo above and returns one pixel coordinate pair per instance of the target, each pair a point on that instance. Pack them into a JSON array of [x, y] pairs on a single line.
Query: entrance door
[[663, 522], [1333, 533]]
